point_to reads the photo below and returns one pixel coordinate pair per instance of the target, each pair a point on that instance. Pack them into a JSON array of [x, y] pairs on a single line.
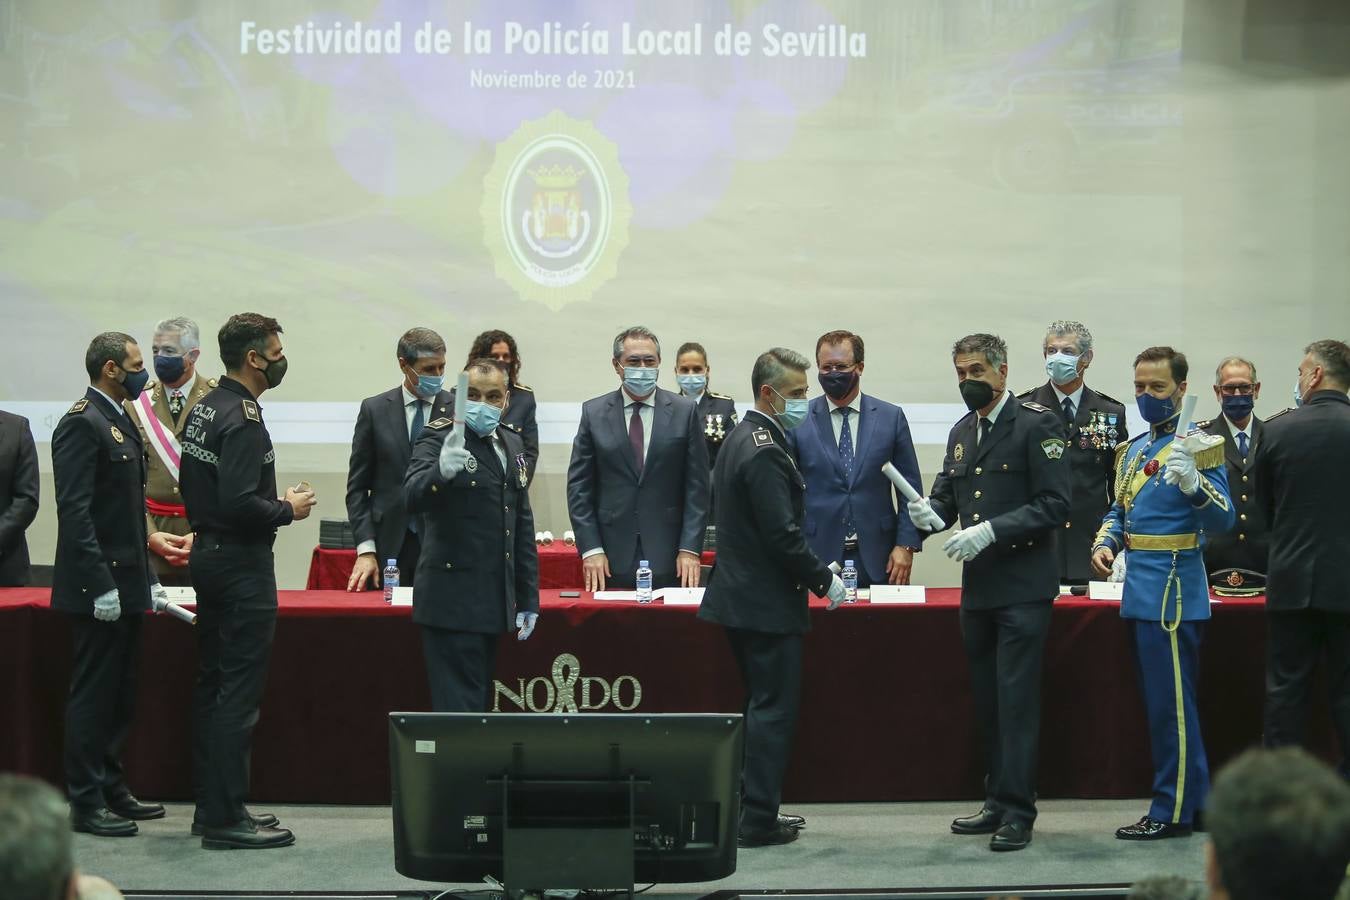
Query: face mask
[[1061, 367], [275, 371], [428, 386], [977, 394], [640, 381], [692, 384], [170, 368], [1238, 408], [135, 382], [1298, 392], [837, 385], [1154, 410], [482, 417], [794, 411]]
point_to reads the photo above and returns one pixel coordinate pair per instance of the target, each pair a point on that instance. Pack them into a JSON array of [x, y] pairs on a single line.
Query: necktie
[[1068, 410], [846, 460], [1242, 444], [635, 434], [418, 420], [985, 427], [175, 404]]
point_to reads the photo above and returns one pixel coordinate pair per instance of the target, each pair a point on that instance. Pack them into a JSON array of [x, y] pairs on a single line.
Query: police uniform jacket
[[1090, 450], [716, 416], [1016, 480], [479, 565], [1162, 530], [520, 417], [1247, 545], [1306, 491], [98, 466], [229, 472], [19, 487], [764, 566]]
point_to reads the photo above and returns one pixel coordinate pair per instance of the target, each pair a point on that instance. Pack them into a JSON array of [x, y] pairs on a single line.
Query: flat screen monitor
[[458, 777]]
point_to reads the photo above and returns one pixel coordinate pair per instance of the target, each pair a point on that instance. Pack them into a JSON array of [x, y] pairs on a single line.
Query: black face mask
[[977, 394], [135, 382], [838, 385], [275, 371]]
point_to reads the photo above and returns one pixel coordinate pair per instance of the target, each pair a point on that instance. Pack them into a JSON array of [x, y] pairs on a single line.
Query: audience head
[[36, 862]]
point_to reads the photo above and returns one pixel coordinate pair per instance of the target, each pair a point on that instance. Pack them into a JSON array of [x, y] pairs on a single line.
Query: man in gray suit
[[637, 485]]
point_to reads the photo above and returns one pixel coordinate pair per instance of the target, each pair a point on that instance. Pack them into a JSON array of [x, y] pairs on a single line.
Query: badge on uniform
[[251, 411], [522, 472], [959, 452], [1053, 448], [471, 465], [117, 435], [713, 428], [762, 437]]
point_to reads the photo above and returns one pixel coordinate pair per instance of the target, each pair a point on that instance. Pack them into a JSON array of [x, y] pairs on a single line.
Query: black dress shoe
[[1010, 836], [128, 807], [266, 820], [102, 823], [245, 836], [1147, 829], [986, 821], [798, 822], [779, 834]]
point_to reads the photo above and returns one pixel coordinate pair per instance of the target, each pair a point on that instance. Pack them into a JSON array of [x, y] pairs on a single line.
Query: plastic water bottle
[[850, 578], [644, 582], [390, 579]]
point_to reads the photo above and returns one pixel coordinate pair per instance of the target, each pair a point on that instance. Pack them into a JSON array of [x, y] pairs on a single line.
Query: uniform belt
[[171, 510], [1162, 541]]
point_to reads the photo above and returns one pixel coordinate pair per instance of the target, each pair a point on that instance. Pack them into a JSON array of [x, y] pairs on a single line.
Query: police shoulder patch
[[719, 396], [79, 406], [761, 437], [1270, 418], [1053, 448], [1035, 407], [251, 411], [441, 423]]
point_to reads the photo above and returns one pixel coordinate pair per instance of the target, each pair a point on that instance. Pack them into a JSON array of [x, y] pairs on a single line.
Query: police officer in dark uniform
[[716, 412], [521, 410], [1307, 491], [229, 486], [103, 581], [1004, 480], [1236, 560], [478, 575], [757, 590], [1093, 425]]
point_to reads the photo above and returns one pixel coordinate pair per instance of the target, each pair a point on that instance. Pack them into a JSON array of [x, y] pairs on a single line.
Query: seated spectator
[[36, 862]]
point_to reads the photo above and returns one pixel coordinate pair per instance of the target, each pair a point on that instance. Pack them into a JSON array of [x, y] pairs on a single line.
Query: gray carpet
[[857, 846]]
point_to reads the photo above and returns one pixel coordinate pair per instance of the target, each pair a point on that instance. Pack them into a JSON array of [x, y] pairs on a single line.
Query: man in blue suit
[[637, 485], [850, 506]]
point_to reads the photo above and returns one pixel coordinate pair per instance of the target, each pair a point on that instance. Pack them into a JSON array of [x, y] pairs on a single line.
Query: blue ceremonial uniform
[[1166, 601]]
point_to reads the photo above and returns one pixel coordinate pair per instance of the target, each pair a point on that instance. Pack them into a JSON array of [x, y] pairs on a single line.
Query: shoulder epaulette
[[761, 437], [438, 424], [79, 406], [522, 387], [511, 425], [1108, 398], [1204, 424], [1027, 393], [151, 385], [1210, 457], [251, 411], [1273, 416], [212, 382], [720, 396], [1035, 407]]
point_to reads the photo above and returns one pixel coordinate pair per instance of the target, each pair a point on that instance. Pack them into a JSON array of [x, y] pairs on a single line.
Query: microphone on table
[[168, 607]]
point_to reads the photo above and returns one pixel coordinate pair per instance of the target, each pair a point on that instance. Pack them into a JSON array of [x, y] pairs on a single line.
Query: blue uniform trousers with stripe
[[1168, 665]]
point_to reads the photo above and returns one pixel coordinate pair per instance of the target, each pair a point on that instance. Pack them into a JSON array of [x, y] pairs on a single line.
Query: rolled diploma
[[904, 487], [461, 402]]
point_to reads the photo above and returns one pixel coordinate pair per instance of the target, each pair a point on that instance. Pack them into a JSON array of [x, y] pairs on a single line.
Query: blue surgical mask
[[1298, 392], [794, 411], [640, 380], [1061, 367], [483, 418], [692, 385], [1154, 410], [1239, 407], [428, 386], [170, 368]]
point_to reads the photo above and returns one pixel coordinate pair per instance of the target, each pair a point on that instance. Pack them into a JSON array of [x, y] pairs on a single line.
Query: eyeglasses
[[1237, 390], [838, 367]]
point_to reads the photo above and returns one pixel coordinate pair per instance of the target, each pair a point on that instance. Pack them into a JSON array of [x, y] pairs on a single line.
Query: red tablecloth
[[559, 568], [886, 711]]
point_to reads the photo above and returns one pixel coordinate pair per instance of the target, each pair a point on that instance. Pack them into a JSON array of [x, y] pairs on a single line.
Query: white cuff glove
[[453, 456], [1117, 569], [836, 594], [967, 543], [525, 625], [158, 596], [1181, 470], [924, 517], [108, 607]]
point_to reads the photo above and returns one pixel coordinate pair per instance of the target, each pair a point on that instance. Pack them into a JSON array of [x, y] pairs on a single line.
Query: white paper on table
[[183, 595], [676, 596], [402, 596], [615, 595], [865, 594], [1106, 590], [899, 593]]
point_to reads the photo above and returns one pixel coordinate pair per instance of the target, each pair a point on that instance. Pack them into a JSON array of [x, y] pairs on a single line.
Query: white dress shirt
[[993, 416], [837, 421], [409, 410], [115, 405], [1076, 397], [1236, 431]]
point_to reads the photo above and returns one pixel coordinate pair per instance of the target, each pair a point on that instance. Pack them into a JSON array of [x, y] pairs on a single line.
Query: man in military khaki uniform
[[161, 414]]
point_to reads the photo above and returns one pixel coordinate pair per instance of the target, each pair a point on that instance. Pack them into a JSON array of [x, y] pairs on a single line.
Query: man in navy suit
[[637, 485], [386, 428], [850, 506]]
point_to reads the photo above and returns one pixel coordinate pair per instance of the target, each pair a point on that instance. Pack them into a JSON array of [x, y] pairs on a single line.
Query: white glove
[[108, 607], [924, 517], [1117, 568], [453, 457], [836, 594], [967, 543], [1181, 469], [525, 625], [158, 596]]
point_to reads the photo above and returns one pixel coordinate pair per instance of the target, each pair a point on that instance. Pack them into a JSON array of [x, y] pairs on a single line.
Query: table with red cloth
[[559, 567], [886, 707]]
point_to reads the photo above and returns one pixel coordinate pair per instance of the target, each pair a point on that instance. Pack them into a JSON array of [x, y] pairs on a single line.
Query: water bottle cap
[[642, 563], [848, 562], [392, 562]]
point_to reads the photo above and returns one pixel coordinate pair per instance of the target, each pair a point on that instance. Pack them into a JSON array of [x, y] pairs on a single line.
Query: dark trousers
[[771, 669], [1295, 641], [459, 668], [408, 555], [1004, 648], [100, 708], [236, 621], [1168, 664]]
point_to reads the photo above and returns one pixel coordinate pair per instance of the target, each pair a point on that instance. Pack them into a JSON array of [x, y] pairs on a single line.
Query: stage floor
[[846, 847]]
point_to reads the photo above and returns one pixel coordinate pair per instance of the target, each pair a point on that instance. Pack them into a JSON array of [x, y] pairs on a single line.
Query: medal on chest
[[714, 428], [522, 471]]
